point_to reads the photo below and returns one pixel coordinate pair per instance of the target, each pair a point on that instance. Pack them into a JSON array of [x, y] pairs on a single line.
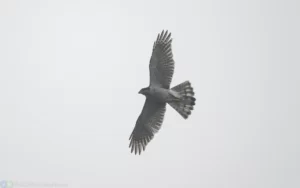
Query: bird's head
[[144, 91]]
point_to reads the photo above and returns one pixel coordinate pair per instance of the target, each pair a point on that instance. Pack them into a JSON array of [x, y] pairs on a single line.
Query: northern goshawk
[[158, 94]]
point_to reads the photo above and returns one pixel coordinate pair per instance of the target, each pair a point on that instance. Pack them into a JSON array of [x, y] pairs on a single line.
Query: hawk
[[158, 94]]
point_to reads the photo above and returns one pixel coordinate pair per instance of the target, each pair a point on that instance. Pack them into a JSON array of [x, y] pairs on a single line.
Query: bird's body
[[159, 93]]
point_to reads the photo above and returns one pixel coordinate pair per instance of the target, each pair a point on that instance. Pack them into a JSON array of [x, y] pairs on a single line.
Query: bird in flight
[[158, 94]]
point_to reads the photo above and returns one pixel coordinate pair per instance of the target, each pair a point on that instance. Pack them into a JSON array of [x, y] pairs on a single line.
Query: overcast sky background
[[70, 72]]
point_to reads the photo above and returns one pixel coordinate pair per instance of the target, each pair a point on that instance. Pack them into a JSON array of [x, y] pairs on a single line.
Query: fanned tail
[[186, 100]]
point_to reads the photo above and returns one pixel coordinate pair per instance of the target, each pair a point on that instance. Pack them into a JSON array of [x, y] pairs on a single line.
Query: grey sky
[[70, 72]]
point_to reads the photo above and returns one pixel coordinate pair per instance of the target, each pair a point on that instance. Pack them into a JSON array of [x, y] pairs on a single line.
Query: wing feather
[[161, 65], [148, 123]]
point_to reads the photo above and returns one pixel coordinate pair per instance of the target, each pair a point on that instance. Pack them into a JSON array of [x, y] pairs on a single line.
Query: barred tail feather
[[186, 101]]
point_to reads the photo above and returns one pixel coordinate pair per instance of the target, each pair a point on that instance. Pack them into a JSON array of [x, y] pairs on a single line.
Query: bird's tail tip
[[186, 102]]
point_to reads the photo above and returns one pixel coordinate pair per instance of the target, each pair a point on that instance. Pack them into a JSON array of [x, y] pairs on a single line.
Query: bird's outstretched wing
[[148, 123], [161, 63]]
